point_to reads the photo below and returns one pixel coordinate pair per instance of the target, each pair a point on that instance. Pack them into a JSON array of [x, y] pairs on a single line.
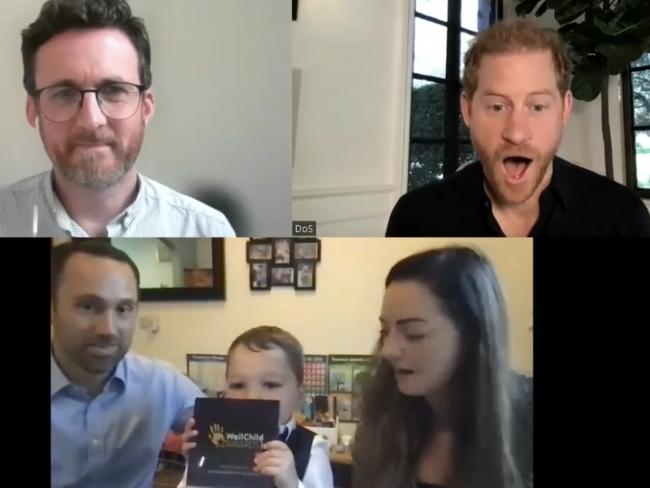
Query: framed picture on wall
[[283, 261], [305, 275], [282, 276], [282, 251], [259, 250], [306, 249], [260, 276]]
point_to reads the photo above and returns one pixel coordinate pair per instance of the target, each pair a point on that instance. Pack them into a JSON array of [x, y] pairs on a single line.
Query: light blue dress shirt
[[114, 439]]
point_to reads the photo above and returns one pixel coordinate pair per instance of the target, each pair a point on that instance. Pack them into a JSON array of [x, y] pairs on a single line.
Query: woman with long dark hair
[[438, 410]]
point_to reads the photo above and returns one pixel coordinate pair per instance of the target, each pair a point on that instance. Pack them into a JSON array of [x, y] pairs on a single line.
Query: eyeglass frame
[[36, 94]]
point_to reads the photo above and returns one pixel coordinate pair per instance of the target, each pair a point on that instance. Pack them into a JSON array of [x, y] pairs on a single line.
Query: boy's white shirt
[[319, 470]]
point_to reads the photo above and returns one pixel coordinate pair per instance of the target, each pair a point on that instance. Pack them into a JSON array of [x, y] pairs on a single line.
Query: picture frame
[[259, 250], [283, 261], [282, 275], [305, 275], [260, 275], [282, 251], [306, 249]]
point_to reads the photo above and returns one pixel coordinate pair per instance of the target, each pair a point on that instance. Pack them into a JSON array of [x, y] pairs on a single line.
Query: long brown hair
[[394, 428]]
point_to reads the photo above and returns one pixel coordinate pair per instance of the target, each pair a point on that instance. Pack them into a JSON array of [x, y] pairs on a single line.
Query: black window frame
[[630, 129], [452, 83]]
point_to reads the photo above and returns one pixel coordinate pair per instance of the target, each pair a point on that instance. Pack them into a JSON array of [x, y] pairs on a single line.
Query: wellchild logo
[[216, 435], [244, 440]]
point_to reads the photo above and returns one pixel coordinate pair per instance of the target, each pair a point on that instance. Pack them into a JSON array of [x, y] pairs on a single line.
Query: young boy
[[266, 363]]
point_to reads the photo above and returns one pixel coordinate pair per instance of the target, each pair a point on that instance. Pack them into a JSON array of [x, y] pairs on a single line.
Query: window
[[636, 113], [439, 141]]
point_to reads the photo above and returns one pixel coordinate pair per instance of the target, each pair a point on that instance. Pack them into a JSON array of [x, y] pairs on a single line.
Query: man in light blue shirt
[[110, 409], [87, 74]]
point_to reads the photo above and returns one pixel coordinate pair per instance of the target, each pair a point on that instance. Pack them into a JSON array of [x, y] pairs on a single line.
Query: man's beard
[[493, 171], [89, 171]]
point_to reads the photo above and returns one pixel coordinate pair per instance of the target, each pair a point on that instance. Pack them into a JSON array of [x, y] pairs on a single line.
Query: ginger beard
[[514, 173], [95, 159]]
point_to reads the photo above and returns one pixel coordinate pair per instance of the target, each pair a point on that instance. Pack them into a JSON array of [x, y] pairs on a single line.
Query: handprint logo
[[216, 435]]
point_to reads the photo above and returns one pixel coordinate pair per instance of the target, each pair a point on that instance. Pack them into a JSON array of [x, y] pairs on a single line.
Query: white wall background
[[352, 107], [341, 315], [350, 59], [222, 129]]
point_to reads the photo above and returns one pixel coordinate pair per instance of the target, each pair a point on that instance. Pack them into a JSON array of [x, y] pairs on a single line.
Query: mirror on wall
[[177, 269]]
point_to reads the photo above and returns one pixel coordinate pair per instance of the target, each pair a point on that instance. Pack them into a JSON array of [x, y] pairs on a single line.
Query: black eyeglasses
[[117, 100]]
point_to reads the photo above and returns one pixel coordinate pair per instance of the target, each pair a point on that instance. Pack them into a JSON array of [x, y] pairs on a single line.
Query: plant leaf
[[553, 4], [570, 11], [614, 22], [577, 41], [620, 55], [587, 80], [603, 27], [525, 7], [637, 29], [583, 33]]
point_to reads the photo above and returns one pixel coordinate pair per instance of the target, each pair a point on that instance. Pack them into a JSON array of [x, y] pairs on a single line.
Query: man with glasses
[[88, 79]]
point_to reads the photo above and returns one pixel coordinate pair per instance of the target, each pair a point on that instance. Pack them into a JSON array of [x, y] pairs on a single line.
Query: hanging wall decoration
[[283, 262]]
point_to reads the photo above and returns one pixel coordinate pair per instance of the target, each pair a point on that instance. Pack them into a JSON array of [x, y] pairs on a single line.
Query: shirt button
[[95, 442]]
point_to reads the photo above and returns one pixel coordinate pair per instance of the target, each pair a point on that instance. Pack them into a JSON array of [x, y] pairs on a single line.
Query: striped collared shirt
[[157, 211]]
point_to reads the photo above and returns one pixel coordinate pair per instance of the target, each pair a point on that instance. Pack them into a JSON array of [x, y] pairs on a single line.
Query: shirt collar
[[138, 203], [288, 427], [120, 372], [560, 184], [59, 380], [66, 222]]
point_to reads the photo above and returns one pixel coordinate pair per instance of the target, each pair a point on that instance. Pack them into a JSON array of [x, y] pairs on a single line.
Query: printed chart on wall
[[315, 382], [315, 379], [347, 377], [208, 371]]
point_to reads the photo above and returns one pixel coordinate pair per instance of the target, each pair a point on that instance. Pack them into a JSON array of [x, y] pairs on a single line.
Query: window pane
[[464, 46], [643, 60], [432, 8], [427, 109], [475, 14], [425, 164], [466, 154], [641, 90], [430, 48], [643, 158]]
